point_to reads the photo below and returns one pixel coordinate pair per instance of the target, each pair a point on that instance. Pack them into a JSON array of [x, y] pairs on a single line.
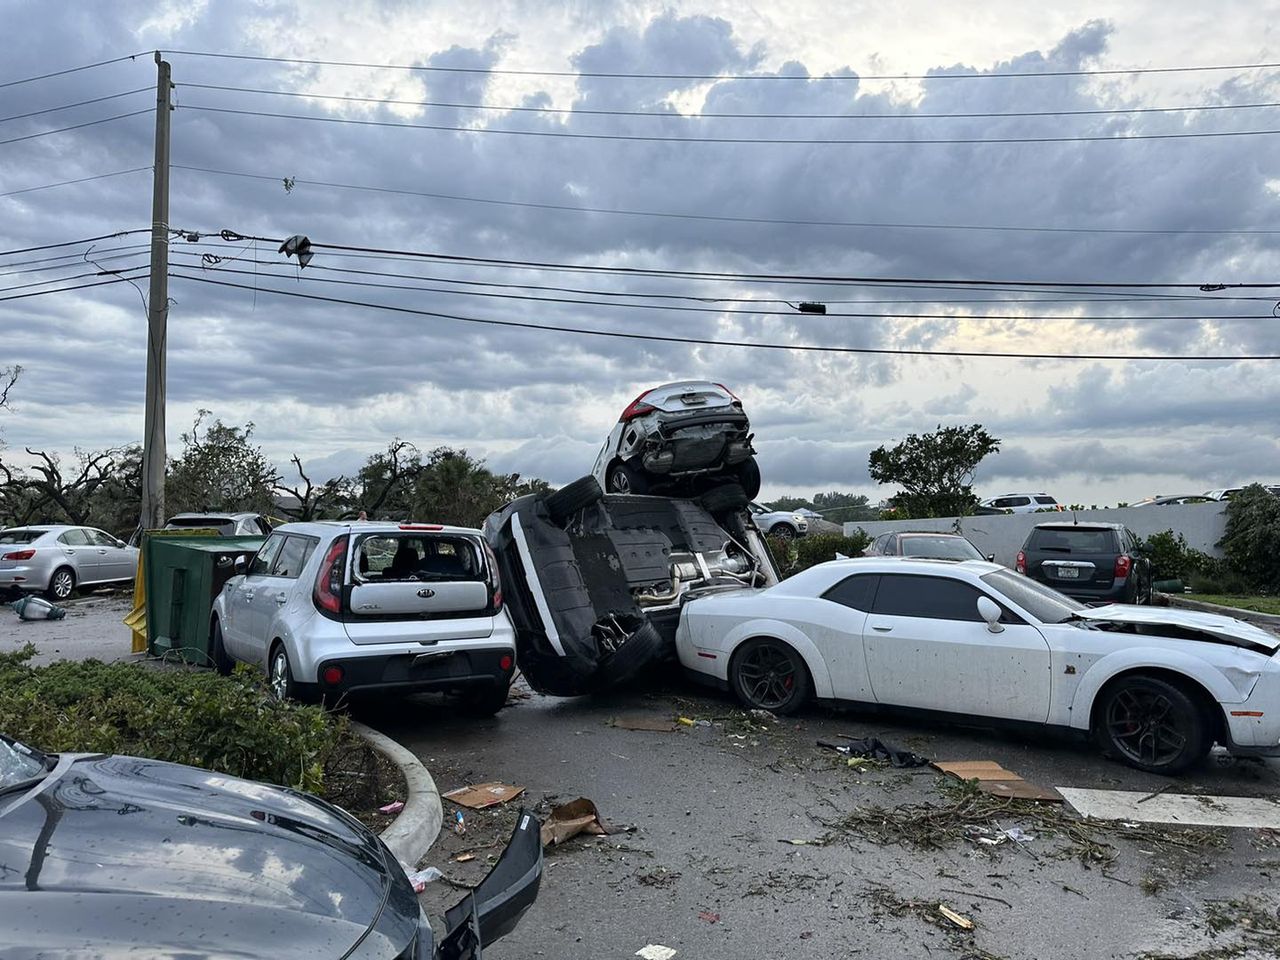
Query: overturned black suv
[[595, 582]]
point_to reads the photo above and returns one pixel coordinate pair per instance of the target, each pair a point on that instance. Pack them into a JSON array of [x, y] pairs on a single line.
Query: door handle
[[248, 595], [103, 552], [882, 629], [282, 597]]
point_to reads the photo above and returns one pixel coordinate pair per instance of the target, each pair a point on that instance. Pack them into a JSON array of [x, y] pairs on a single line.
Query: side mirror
[[240, 564], [989, 610], [991, 558]]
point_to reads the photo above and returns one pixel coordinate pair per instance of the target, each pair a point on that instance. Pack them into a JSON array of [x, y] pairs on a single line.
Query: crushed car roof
[[1224, 628]]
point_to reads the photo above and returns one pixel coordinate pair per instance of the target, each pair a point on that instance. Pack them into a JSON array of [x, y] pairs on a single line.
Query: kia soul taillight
[[328, 589]]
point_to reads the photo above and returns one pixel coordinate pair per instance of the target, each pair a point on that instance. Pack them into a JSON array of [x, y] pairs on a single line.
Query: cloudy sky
[[1114, 192]]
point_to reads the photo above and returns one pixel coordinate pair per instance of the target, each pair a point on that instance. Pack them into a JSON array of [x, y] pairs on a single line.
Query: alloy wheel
[[619, 482], [63, 584], [767, 676], [280, 675], [1143, 725]]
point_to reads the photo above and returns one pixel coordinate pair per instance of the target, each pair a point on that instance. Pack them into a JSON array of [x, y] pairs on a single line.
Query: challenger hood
[[1220, 628]]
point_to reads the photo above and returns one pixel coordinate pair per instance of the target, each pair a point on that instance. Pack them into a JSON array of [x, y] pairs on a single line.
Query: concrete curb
[[1268, 619], [416, 829]]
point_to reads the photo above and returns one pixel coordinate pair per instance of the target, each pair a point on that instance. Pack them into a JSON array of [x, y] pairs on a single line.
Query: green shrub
[[228, 724], [805, 552], [1252, 538], [1215, 575], [1173, 559]]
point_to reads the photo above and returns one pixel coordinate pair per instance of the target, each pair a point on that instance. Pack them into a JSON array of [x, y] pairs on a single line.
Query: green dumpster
[[183, 575]]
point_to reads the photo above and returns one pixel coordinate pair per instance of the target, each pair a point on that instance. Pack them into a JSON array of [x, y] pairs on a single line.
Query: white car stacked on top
[[1156, 687]]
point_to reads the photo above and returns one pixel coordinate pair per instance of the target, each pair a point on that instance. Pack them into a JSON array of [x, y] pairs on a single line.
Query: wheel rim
[[1142, 726], [619, 482], [62, 583], [783, 533], [280, 675], [767, 676]]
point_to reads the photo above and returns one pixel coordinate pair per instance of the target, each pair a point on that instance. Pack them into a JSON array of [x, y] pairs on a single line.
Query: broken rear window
[[414, 557]]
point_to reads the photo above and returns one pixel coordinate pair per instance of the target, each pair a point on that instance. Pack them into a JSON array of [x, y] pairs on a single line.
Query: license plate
[[1069, 573]]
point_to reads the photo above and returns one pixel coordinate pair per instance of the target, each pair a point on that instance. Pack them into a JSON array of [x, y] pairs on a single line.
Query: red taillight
[[497, 600], [729, 392], [332, 676], [505, 663], [1123, 565], [637, 408], [19, 555], [495, 579], [1021, 566], [328, 590]]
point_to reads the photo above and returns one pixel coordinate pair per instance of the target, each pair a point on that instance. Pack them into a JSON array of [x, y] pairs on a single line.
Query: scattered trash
[[648, 722], [764, 715], [420, 878], [570, 819], [870, 748], [484, 795], [708, 916], [684, 721], [984, 835], [37, 608], [459, 824], [806, 934], [464, 858], [996, 780], [964, 923], [395, 807], [799, 842], [655, 951], [1018, 835]]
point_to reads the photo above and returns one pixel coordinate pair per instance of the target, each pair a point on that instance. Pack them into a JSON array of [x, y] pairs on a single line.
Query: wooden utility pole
[[154, 451]]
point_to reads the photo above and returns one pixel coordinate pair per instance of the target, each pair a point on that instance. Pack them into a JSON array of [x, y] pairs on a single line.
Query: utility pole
[[154, 452]]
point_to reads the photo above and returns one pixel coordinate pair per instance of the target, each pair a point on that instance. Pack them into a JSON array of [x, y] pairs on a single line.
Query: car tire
[[783, 531], [727, 498], [624, 478], [61, 585], [484, 701], [217, 651], [562, 504], [642, 648], [768, 674], [748, 473], [1152, 724], [280, 674]]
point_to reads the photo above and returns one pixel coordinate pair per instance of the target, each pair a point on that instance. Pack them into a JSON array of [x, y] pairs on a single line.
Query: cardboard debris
[[645, 721], [996, 780], [483, 795], [570, 819], [1192, 810], [964, 923]]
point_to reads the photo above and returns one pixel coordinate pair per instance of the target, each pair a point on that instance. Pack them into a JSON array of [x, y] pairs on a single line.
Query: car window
[[938, 598], [939, 548], [857, 591], [293, 556], [1067, 540], [18, 765], [21, 536], [1046, 501], [74, 538], [415, 557], [266, 555], [1044, 603], [1019, 501], [100, 539]]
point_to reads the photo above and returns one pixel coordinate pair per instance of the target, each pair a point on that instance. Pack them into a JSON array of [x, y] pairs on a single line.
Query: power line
[[81, 286], [79, 103], [705, 115], [233, 236], [780, 141], [78, 276], [75, 126], [75, 256], [79, 261], [699, 341], [587, 74], [63, 73], [73, 243], [718, 311], [715, 218], [64, 183]]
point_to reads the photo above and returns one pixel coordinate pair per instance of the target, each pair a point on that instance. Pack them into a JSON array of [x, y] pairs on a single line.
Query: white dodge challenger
[[1156, 687]]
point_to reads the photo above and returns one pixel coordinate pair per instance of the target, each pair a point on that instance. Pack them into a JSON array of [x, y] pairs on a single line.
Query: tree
[[100, 490], [1251, 541], [935, 470], [330, 500], [455, 488], [844, 507], [384, 485], [220, 469]]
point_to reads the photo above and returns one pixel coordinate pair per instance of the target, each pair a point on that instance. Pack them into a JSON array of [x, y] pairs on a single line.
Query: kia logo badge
[[426, 593]]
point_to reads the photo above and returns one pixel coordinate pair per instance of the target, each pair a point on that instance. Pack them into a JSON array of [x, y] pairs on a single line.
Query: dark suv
[[1093, 562]]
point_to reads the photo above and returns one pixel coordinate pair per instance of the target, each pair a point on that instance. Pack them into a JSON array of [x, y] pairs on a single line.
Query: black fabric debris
[[875, 749]]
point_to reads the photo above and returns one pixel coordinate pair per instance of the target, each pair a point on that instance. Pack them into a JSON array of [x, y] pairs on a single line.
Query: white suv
[[682, 439], [783, 524], [1022, 502], [329, 608]]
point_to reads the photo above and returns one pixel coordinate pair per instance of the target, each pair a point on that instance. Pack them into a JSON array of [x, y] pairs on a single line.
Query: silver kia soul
[[328, 608]]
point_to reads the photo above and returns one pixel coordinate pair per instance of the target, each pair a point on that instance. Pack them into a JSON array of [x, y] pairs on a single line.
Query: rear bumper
[[442, 669], [1116, 593], [24, 577]]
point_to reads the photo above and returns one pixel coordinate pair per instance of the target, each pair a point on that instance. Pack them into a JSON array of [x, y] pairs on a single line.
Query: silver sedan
[[55, 559]]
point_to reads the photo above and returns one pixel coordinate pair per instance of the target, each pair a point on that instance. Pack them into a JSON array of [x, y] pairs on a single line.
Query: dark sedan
[[1093, 562], [106, 856]]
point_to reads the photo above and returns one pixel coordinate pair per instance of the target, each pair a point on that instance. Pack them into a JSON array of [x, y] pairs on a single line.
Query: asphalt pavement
[[739, 849]]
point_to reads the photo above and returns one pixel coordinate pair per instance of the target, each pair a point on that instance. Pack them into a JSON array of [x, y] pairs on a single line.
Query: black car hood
[[116, 856]]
